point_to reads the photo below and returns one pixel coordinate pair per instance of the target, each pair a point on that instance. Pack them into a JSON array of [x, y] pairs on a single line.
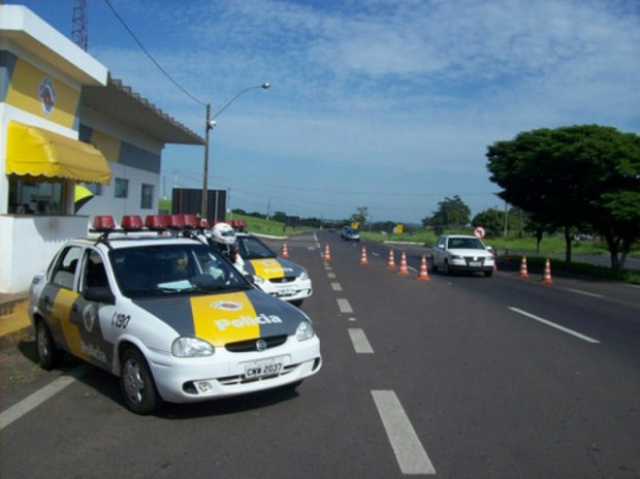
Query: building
[[65, 124]]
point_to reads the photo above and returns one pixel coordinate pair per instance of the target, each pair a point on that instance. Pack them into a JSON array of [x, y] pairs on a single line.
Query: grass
[[266, 227]]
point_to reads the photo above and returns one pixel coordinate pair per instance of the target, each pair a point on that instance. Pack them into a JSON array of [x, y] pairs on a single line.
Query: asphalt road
[[456, 377]]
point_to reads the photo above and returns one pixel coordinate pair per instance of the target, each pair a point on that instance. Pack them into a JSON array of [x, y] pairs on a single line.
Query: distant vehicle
[[349, 234], [168, 315], [462, 253], [271, 273]]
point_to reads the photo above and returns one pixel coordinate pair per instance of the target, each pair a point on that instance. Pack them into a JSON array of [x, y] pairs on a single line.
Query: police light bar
[[157, 222], [204, 224], [103, 223], [131, 223], [190, 221]]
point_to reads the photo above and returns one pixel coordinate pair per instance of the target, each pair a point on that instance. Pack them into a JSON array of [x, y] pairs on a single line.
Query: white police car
[[271, 273], [169, 315]]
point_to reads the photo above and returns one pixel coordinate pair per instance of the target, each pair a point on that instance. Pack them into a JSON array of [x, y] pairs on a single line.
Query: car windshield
[[173, 268], [253, 248], [465, 243]]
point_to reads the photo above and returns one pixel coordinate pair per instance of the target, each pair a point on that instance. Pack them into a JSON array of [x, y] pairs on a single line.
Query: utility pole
[[79, 30]]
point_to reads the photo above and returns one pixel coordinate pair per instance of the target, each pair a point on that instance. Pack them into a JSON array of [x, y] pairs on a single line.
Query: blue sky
[[384, 104]]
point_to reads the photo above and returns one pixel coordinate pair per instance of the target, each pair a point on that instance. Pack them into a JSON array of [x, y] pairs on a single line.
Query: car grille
[[286, 279], [474, 259], [250, 345]]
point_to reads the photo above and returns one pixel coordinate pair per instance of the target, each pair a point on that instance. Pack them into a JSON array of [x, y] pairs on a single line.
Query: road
[[455, 377]]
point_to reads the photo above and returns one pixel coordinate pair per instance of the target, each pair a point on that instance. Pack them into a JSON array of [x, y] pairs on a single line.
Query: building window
[[122, 188], [146, 198], [27, 196]]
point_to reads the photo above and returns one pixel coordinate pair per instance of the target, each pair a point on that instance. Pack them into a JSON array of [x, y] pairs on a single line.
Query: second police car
[[168, 315]]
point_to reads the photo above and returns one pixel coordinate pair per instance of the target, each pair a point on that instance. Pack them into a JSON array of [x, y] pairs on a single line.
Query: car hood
[[475, 253], [273, 268], [226, 317]]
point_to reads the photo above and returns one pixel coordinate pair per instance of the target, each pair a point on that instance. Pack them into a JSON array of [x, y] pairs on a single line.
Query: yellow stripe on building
[[225, 318], [26, 92]]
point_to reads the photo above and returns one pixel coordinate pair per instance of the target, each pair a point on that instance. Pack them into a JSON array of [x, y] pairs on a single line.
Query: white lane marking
[[375, 254], [33, 401], [411, 456], [336, 286], [344, 305], [586, 293], [557, 326], [352, 319], [360, 342], [331, 275]]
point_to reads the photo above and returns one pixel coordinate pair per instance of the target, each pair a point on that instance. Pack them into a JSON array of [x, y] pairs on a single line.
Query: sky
[[383, 104]]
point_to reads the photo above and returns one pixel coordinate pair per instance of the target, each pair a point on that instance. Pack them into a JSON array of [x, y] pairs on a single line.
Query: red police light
[[156, 222], [103, 223], [190, 221], [132, 223]]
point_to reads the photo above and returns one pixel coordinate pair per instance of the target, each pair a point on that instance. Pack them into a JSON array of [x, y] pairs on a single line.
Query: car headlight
[[258, 280], [185, 347], [304, 276], [304, 331]]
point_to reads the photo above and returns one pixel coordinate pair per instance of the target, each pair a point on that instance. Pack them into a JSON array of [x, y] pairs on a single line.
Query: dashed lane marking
[[31, 402], [336, 286], [360, 342], [411, 456], [344, 306], [586, 293]]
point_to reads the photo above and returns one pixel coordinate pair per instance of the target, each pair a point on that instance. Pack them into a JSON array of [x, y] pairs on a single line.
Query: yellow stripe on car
[[61, 310], [267, 268], [225, 318]]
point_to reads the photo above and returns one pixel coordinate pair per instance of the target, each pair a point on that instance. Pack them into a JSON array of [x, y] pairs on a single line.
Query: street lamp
[[209, 125]]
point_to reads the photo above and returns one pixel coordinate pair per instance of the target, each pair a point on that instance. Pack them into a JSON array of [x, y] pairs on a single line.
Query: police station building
[[68, 132]]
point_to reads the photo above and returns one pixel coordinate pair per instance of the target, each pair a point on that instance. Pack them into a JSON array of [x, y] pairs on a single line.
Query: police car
[[168, 315], [271, 273]]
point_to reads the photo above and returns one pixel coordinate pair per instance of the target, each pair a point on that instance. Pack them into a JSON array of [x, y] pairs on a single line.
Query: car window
[[64, 271], [465, 243], [253, 248], [169, 269], [95, 274]]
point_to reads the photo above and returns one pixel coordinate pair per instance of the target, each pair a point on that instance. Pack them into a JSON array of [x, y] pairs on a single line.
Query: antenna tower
[[79, 33]]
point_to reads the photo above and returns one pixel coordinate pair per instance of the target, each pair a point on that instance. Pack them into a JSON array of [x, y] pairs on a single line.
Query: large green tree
[[451, 213], [572, 177]]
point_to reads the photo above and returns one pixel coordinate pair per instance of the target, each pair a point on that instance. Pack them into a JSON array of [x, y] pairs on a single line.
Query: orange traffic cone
[[546, 279], [424, 274], [523, 268], [285, 251], [391, 264], [327, 254], [363, 256], [403, 264]]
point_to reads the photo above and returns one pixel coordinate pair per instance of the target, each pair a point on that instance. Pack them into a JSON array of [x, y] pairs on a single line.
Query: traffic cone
[[523, 268], [285, 251], [546, 279], [403, 264], [391, 264], [424, 274], [327, 254], [363, 256]]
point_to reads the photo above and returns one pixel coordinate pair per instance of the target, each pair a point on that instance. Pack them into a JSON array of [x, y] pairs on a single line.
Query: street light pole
[[209, 125]]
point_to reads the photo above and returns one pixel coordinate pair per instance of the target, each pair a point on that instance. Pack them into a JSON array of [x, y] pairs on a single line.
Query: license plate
[[475, 264], [286, 292], [262, 368]]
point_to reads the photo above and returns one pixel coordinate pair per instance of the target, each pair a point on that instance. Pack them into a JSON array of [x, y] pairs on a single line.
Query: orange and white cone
[[285, 251], [327, 254], [523, 268], [391, 264], [403, 264], [363, 256], [424, 274], [546, 279]]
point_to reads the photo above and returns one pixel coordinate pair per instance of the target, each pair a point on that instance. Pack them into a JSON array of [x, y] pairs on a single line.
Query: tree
[[451, 213], [574, 177], [360, 216], [492, 220]]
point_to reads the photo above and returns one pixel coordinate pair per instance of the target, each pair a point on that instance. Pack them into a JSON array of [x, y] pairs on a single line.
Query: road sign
[[479, 232]]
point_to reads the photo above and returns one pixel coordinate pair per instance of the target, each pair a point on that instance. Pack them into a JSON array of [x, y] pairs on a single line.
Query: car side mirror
[[99, 294]]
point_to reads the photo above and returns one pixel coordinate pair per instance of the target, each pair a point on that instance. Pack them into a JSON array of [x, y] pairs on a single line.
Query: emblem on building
[[47, 95]]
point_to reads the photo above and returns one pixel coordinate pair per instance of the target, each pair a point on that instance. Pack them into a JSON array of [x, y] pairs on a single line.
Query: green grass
[[266, 227]]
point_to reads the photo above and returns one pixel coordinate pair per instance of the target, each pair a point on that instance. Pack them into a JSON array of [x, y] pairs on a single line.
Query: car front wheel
[[136, 382]]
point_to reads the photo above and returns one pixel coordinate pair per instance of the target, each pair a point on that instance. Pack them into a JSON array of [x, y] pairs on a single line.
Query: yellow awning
[[36, 152]]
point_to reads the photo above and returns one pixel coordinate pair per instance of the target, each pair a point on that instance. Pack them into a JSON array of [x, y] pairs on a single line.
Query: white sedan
[[171, 317], [464, 253]]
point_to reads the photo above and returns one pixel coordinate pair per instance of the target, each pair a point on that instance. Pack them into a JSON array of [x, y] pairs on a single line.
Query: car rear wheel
[[137, 384], [48, 353]]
